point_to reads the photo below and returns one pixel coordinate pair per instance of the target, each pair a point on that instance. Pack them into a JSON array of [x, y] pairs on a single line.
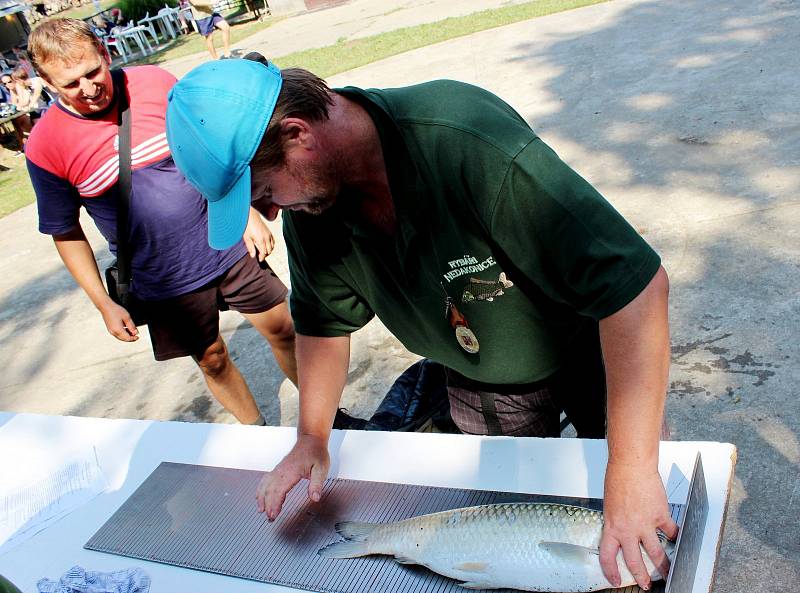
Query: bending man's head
[[242, 132]]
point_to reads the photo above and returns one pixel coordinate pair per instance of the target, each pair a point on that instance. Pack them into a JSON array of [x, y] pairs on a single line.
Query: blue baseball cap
[[216, 117]]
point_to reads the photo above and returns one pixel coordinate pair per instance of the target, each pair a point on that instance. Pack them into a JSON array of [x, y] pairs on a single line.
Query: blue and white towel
[[78, 580]]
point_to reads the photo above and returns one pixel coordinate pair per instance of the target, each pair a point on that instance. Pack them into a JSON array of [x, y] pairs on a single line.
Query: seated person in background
[[29, 95], [5, 88], [22, 61], [101, 25], [115, 16], [207, 21]]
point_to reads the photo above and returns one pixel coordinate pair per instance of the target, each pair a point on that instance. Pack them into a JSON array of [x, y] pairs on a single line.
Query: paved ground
[[683, 113]]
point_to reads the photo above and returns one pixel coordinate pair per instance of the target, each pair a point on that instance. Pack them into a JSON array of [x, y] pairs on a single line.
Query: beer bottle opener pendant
[[465, 337]]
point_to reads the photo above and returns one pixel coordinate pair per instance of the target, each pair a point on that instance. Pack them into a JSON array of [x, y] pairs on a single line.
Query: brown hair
[[59, 40], [304, 95], [19, 74]]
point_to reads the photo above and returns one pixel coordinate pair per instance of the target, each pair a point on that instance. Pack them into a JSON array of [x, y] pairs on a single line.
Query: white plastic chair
[[167, 20], [147, 23], [118, 43]]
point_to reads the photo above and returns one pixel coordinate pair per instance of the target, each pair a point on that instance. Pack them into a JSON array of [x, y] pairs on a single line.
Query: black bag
[[122, 295], [118, 274], [417, 398]]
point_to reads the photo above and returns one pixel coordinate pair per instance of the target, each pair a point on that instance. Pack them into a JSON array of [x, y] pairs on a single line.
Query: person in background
[[23, 61], [182, 5], [5, 87], [23, 124], [207, 22], [182, 283], [436, 208], [30, 93]]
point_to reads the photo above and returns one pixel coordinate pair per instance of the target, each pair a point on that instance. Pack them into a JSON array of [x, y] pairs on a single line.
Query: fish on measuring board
[[526, 546]]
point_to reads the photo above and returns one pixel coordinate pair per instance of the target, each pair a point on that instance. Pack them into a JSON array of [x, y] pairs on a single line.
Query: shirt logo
[[485, 290], [468, 264]]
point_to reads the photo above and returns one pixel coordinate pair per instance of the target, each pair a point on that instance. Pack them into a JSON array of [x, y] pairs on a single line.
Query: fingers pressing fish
[[526, 546]]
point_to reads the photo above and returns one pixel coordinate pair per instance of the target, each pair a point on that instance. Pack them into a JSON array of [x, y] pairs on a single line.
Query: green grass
[[346, 55], [82, 11], [15, 187]]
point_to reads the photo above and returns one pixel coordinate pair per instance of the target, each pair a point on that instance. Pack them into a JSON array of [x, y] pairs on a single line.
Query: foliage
[[133, 10]]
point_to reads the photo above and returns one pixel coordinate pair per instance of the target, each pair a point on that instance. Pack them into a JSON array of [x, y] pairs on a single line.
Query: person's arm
[[257, 237], [15, 98], [636, 353], [77, 255], [322, 369], [36, 93]]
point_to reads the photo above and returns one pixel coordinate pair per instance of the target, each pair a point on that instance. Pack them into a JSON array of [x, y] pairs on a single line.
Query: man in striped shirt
[[73, 161]]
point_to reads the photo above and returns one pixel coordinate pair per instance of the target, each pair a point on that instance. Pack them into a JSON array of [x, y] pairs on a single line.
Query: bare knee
[[215, 360], [281, 330]]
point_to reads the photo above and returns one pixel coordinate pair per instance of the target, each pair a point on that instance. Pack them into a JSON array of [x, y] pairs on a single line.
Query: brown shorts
[[188, 324]]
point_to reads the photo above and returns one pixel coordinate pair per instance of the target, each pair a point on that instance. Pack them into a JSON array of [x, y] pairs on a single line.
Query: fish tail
[[355, 530], [357, 541], [345, 550]]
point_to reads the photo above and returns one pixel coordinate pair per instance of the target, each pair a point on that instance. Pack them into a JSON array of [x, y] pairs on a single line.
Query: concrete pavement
[[356, 19], [684, 114]]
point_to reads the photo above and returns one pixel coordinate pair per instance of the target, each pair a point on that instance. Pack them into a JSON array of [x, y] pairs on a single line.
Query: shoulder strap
[[124, 183]]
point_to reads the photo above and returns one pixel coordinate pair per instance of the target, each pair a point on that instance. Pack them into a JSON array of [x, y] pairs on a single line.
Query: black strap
[[124, 183], [489, 412]]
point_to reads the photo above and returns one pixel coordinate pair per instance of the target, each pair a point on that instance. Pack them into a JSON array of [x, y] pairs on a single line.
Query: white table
[[128, 450]]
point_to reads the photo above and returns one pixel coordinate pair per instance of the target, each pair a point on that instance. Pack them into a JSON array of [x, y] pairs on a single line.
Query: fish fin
[[472, 566], [354, 530], [345, 550], [477, 585], [405, 560], [572, 552]]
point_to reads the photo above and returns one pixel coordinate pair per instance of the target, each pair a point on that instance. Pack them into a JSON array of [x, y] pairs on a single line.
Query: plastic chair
[[117, 43], [167, 20], [147, 23]]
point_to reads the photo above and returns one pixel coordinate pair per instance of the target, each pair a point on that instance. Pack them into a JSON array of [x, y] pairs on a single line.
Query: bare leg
[[210, 46], [277, 327], [227, 384], [226, 38]]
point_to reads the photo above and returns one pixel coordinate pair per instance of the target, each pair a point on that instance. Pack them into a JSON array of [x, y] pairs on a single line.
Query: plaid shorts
[[534, 410]]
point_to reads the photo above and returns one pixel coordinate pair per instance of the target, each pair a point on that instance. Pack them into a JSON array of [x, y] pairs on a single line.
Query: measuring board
[[205, 518]]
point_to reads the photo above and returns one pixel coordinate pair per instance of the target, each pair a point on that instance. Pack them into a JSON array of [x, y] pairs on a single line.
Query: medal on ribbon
[[465, 337]]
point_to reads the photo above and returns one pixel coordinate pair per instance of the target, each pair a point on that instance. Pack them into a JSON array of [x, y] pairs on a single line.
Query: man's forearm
[[78, 257], [635, 343], [322, 365]]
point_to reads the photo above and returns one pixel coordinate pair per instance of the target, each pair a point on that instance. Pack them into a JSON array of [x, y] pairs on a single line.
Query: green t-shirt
[[531, 255]]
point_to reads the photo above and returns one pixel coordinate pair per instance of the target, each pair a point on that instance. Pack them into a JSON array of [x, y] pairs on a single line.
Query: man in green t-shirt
[[437, 208]]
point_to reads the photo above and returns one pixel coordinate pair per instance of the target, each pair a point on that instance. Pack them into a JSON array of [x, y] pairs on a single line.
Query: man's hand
[[634, 507], [308, 459], [257, 237], [118, 322]]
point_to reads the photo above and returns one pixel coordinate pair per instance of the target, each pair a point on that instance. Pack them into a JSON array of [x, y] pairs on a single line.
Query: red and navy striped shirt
[[73, 161]]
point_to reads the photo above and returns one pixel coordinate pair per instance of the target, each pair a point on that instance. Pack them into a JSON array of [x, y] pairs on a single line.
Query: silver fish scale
[[514, 529]]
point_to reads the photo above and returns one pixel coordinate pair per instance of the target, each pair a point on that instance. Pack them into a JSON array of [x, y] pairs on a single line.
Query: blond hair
[[60, 40]]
